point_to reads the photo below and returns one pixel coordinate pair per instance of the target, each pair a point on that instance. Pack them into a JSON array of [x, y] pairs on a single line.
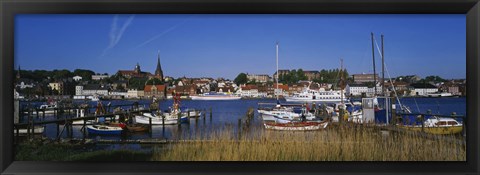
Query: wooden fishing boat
[[156, 120], [104, 129], [296, 126], [437, 125], [137, 128]]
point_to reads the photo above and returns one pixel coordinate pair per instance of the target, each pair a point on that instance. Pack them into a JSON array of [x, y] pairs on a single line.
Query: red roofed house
[[154, 91], [136, 73]]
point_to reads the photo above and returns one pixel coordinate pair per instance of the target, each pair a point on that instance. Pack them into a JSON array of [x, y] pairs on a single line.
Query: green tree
[[301, 75], [137, 83], [241, 79], [85, 74], [154, 81], [61, 74], [433, 78]]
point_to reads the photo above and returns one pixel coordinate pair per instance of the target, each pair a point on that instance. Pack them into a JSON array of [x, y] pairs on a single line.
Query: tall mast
[[341, 80], [383, 69], [277, 69], [374, 72]]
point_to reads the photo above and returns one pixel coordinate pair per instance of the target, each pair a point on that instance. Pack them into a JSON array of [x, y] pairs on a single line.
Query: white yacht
[[310, 95], [216, 96]]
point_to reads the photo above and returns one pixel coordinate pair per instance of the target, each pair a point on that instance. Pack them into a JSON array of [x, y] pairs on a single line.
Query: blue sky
[[225, 45]]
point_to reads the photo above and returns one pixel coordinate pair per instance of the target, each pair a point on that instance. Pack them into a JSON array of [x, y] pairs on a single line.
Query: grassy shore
[[342, 143], [50, 151]]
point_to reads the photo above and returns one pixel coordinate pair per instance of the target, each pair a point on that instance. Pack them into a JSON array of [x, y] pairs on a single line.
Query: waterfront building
[[281, 91], [157, 91], [250, 91], [295, 88], [356, 89], [364, 78], [451, 87], [92, 89], [135, 93], [186, 90], [421, 89], [226, 89], [118, 94]]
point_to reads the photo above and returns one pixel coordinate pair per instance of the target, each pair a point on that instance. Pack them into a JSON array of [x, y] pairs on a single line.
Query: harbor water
[[226, 115]]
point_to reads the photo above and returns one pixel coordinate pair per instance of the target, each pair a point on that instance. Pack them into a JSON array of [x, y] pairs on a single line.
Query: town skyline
[[191, 45]]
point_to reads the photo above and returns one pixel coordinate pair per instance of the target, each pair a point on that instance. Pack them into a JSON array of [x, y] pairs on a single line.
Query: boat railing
[[417, 119]]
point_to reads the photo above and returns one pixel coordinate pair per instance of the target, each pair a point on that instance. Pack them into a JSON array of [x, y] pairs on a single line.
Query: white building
[[421, 89], [118, 93], [372, 89], [92, 89], [78, 90], [25, 84], [99, 77], [135, 93], [356, 89], [77, 78], [250, 92]]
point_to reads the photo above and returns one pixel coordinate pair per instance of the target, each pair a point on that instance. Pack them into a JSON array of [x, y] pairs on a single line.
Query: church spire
[[18, 72], [158, 71]]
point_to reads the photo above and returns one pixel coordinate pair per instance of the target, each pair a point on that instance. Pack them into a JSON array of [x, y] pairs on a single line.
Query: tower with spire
[[137, 69], [18, 72], [158, 71]]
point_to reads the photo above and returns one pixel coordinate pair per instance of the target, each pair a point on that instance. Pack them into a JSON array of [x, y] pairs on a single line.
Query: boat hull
[[215, 98], [293, 99], [137, 128], [436, 130], [296, 126], [155, 121], [111, 131]]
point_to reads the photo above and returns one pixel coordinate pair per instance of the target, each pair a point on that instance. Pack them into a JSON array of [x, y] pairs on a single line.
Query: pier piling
[[150, 123], [84, 130], [33, 128]]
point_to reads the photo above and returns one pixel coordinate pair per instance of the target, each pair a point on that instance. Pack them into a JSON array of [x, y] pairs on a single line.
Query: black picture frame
[[9, 8]]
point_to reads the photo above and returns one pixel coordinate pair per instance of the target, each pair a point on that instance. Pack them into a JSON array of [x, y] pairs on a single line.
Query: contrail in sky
[[161, 34], [115, 35]]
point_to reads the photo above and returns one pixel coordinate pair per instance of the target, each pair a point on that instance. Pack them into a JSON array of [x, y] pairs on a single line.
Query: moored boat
[[439, 94], [296, 126], [437, 125], [215, 96], [137, 128], [310, 95], [104, 129], [156, 120]]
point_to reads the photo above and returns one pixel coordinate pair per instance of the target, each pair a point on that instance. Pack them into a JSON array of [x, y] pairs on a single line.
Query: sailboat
[[283, 117]]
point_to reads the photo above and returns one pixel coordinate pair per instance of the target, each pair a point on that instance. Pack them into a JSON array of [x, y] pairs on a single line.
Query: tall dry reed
[[337, 143]]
